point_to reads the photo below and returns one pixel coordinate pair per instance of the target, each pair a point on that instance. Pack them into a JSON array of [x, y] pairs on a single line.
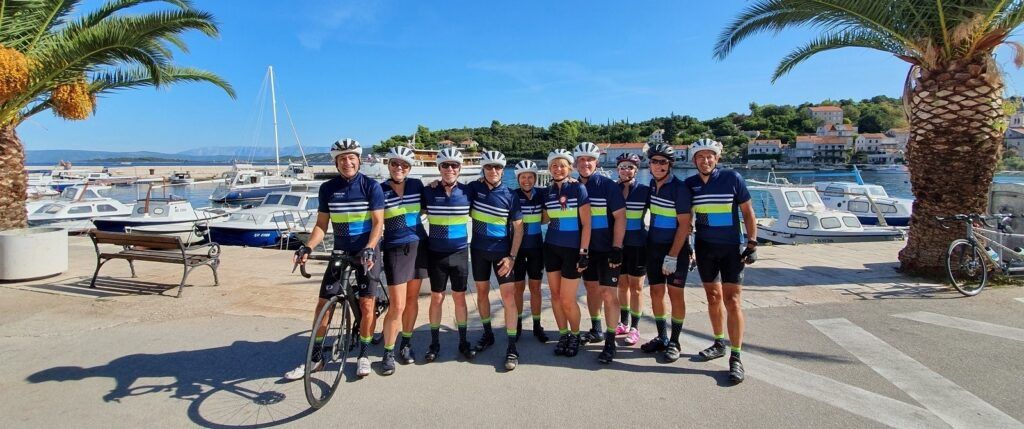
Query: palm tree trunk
[[956, 119], [13, 181]]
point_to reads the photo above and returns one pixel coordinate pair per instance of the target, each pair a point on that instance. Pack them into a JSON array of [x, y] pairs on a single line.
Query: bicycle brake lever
[[302, 270]]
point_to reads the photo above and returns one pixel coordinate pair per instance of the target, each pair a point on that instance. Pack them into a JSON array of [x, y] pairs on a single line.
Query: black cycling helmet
[[661, 149]]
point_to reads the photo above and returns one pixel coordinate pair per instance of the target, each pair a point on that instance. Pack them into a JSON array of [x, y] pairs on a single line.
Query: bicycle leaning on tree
[[970, 260]]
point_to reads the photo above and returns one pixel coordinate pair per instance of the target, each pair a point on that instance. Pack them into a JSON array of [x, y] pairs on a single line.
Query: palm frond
[[855, 38]]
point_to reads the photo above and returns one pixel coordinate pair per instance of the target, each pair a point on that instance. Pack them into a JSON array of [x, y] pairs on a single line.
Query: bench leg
[[214, 265], [132, 266], [183, 277], [99, 263]]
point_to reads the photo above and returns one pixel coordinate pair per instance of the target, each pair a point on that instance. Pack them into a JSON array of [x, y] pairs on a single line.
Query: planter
[[33, 253]]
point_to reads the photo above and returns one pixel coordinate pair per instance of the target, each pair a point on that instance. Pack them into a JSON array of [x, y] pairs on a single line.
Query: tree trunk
[[956, 121], [13, 181]]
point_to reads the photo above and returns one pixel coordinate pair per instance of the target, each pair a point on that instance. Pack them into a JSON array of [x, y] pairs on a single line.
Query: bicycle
[[321, 384], [968, 260]]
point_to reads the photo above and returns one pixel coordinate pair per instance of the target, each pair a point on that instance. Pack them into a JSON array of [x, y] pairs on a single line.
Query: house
[[826, 114], [902, 136], [468, 144], [875, 143], [610, 151], [444, 144], [764, 152], [802, 151], [1014, 140], [836, 130], [658, 136], [887, 158], [826, 150]]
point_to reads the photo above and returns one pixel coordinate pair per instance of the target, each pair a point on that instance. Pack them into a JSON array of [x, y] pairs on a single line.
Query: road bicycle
[[970, 260]]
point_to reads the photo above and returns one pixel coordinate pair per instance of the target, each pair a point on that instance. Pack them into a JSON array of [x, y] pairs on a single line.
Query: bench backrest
[[149, 241]]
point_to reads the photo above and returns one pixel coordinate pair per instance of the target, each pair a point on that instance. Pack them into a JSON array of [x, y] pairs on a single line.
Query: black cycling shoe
[[560, 347], [592, 337], [572, 345], [484, 342], [735, 370], [672, 351], [540, 335], [467, 350], [405, 355], [656, 344], [432, 352], [511, 357], [716, 351], [607, 355], [387, 365], [519, 329]]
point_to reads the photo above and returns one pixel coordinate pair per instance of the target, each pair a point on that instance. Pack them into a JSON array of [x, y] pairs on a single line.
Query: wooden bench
[[154, 248]]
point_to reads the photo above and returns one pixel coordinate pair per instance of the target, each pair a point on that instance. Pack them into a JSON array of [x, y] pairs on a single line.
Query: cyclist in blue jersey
[[448, 205], [719, 196], [668, 248], [354, 204], [405, 258], [497, 234], [634, 249], [530, 259], [566, 247], [607, 228]]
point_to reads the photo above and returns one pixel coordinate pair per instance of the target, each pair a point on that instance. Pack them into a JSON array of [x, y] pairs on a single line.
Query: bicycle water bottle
[[992, 254]]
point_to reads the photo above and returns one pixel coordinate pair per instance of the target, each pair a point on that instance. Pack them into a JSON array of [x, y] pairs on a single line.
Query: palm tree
[[53, 60], [953, 91]]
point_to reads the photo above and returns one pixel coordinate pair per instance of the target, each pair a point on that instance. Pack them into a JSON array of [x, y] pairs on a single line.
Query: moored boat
[[792, 214]]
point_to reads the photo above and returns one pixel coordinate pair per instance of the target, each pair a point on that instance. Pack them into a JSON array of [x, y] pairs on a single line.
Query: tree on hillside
[[54, 59], [953, 91], [669, 125]]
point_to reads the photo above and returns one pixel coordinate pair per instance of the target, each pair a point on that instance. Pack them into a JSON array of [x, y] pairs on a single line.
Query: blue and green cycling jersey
[[448, 217], [672, 199], [716, 206], [350, 203], [636, 207], [562, 205], [532, 206], [402, 224], [605, 199]]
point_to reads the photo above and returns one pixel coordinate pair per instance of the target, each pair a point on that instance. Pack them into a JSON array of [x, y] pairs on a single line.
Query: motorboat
[[57, 180], [868, 202], [37, 192], [181, 178], [75, 209], [795, 214], [424, 166], [105, 178], [170, 215], [274, 222]]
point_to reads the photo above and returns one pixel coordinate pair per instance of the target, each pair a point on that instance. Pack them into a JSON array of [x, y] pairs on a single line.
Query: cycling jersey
[[672, 199], [716, 206], [562, 204], [532, 206], [448, 216], [493, 212], [636, 205], [605, 199], [402, 223], [349, 202]]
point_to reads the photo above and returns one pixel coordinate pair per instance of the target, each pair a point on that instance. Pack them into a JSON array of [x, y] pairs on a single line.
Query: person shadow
[[234, 386]]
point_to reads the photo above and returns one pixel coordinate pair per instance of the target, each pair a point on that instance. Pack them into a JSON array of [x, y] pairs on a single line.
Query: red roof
[[607, 146], [772, 142], [823, 139], [826, 109], [873, 135]]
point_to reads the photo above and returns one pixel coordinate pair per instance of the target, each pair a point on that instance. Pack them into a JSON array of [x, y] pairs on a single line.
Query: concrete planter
[[33, 253]]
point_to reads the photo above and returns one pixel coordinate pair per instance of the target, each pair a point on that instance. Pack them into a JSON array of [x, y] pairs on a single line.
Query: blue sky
[[371, 69]]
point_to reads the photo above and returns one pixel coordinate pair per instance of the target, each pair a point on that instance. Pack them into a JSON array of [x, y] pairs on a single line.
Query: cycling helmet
[[560, 153], [706, 144], [526, 166], [492, 157], [344, 146], [402, 153], [628, 157], [661, 149], [449, 154], [586, 149]]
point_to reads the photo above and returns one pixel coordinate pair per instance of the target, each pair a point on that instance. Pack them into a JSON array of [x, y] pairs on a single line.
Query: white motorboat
[[105, 178], [273, 223], [55, 179], [75, 209], [169, 216], [868, 202], [181, 178], [793, 214], [424, 167]]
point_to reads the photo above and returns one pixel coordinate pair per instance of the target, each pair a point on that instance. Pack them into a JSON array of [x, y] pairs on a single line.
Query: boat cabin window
[[851, 222], [857, 206], [812, 197], [313, 203], [797, 222], [68, 193], [833, 191], [878, 191], [830, 223], [50, 209], [80, 210], [794, 200], [291, 200], [284, 217], [887, 208], [106, 208], [277, 182], [857, 191], [272, 199]]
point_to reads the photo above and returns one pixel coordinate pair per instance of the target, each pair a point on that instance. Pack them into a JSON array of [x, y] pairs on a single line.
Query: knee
[[733, 302], [436, 298]]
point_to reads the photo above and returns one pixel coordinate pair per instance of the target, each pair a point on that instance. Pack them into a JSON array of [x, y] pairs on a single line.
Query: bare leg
[[715, 306], [555, 282], [570, 306], [395, 312], [508, 299], [734, 308], [412, 305]]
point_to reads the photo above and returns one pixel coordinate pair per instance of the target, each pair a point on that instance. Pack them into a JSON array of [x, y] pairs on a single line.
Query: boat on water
[[75, 209], [273, 223], [424, 166], [891, 169], [55, 179], [795, 214], [105, 178], [181, 178], [870, 203], [170, 215]]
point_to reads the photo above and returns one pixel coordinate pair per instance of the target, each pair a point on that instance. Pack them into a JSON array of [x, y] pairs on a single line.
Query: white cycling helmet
[[492, 157], [526, 166], [344, 146], [560, 153], [449, 154], [401, 153], [706, 144], [586, 149]]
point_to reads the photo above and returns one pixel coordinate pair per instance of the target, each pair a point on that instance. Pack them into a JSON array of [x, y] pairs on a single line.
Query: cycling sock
[[659, 322], [512, 334], [519, 322], [576, 333], [462, 331], [623, 314], [563, 331], [735, 351], [596, 321], [435, 334], [487, 327], [317, 349], [719, 338], [364, 342], [609, 337], [536, 321], [677, 325], [634, 319], [388, 348], [406, 339]]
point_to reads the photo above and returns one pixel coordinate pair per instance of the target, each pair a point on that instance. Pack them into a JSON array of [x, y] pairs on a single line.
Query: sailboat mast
[[273, 106]]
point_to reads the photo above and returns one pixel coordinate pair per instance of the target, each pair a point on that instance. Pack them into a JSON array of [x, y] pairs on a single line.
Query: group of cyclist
[[596, 229]]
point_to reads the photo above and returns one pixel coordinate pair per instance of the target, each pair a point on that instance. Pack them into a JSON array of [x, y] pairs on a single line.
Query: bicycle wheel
[[967, 268], [322, 377]]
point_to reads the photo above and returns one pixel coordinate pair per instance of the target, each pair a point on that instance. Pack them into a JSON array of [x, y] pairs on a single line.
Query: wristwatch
[[584, 251]]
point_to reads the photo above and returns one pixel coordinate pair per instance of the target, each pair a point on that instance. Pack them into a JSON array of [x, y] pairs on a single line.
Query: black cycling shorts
[[445, 266], [564, 259], [483, 263], [656, 258], [367, 285], [599, 271], [634, 261], [529, 262], [403, 263], [719, 262]]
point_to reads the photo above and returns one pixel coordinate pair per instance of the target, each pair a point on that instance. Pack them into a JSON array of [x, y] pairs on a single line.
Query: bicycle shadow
[[234, 386]]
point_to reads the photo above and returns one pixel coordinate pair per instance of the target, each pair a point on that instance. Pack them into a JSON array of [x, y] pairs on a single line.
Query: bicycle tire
[[321, 385], [967, 267]]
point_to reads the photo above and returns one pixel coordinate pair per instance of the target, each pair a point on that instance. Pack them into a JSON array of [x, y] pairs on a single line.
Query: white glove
[[669, 266]]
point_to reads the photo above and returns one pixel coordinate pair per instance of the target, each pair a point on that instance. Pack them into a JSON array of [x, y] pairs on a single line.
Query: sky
[[371, 69]]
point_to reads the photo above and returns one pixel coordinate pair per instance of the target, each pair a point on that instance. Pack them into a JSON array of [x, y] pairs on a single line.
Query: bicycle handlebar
[[1001, 217], [336, 254]]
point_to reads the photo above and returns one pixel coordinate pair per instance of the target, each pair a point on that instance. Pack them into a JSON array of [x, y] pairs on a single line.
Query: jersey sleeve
[[516, 209], [324, 194], [376, 196], [742, 194], [615, 199], [684, 199], [582, 197]]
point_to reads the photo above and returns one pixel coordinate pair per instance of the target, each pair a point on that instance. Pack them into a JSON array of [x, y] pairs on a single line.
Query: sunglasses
[[450, 166], [627, 167], [401, 165], [659, 162], [493, 167]]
